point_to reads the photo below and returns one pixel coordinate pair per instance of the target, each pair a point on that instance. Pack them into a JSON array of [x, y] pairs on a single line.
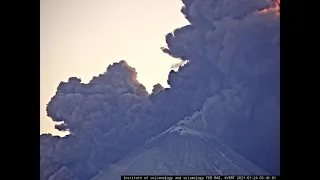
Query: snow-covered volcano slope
[[182, 150]]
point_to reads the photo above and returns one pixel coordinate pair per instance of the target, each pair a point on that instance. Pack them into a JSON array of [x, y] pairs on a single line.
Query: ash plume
[[229, 87]]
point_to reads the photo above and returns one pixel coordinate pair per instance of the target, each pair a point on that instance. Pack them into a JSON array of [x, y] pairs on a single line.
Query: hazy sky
[[82, 37]]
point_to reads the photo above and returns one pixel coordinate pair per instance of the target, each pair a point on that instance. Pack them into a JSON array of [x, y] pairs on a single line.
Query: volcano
[[182, 150]]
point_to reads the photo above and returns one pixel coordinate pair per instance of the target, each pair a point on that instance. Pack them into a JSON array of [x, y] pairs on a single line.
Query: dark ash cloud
[[229, 87]]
